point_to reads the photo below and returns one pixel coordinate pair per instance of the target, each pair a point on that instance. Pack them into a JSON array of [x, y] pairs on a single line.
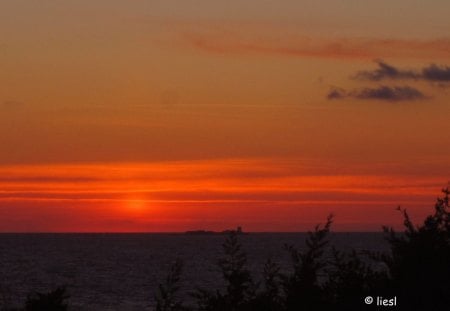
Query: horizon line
[[169, 232]]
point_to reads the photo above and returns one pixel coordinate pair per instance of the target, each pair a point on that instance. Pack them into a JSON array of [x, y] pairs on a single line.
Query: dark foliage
[[416, 271], [302, 288], [419, 263], [350, 278], [166, 298], [269, 299], [52, 301], [240, 289]]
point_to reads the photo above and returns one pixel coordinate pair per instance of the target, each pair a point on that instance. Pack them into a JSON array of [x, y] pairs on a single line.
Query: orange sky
[[168, 116]]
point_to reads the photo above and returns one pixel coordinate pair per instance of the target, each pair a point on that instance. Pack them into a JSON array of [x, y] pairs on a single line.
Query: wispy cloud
[[383, 93], [432, 73], [217, 42]]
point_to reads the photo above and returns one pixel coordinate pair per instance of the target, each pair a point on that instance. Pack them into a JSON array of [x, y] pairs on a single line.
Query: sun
[[136, 204]]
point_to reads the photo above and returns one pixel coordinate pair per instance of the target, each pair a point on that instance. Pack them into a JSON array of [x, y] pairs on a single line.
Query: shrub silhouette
[[419, 263], [52, 301], [350, 278], [269, 299], [240, 288], [166, 298], [416, 270], [302, 288]]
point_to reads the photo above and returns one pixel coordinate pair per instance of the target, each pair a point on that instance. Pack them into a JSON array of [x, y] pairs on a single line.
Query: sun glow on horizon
[[136, 204], [260, 194]]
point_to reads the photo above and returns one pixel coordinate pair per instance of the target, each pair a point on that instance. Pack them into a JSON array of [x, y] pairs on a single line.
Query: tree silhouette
[[52, 301], [416, 270], [240, 289], [166, 297], [419, 263], [302, 288], [269, 299]]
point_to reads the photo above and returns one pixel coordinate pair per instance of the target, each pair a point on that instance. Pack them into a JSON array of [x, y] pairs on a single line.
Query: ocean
[[122, 271]]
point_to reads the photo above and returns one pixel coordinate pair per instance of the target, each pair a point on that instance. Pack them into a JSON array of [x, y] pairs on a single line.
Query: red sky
[[260, 194], [161, 116]]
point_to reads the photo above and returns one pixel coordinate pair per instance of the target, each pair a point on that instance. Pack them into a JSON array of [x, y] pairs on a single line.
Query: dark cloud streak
[[337, 94], [431, 73], [388, 93], [385, 71], [383, 93], [436, 73]]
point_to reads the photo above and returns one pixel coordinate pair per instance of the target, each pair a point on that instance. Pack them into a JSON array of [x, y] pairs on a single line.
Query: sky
[[163, 116]]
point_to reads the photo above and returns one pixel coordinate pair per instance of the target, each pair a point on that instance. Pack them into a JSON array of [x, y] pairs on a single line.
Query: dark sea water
[[122, 271]]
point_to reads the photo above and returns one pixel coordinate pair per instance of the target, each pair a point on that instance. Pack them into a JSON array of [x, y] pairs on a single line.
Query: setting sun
[[136, 205]]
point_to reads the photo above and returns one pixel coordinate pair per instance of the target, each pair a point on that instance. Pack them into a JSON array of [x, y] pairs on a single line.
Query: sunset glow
[[265, 194], [154, 116]]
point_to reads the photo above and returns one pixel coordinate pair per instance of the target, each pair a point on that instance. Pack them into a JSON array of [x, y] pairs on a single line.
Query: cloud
[[385, 71], [436, 73], [431, 73], [388, 93], [337, 94], [222, 42], [383, 93]]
